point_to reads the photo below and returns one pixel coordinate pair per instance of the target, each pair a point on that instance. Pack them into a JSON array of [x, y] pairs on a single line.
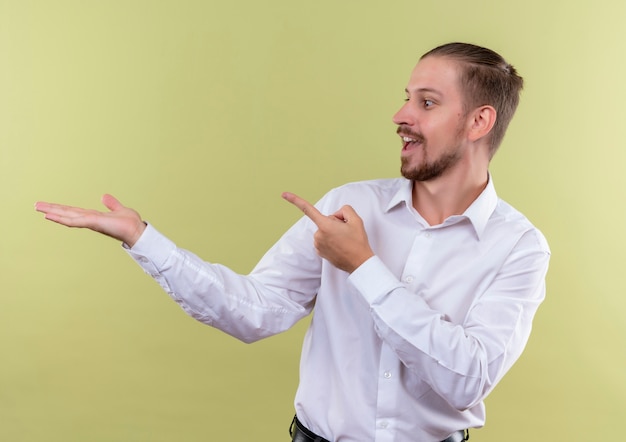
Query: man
[[424, 287]]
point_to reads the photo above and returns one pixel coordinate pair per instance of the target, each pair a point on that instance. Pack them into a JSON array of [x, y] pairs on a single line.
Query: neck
[[450, 194]]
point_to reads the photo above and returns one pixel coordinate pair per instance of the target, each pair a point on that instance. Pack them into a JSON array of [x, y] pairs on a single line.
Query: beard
[[430, 169]]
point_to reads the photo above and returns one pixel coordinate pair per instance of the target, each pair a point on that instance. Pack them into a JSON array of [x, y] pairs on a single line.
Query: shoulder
[[366, 197], [507, 217], [380, 189]]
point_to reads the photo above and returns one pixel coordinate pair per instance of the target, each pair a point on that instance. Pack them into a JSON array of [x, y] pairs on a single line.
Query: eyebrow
[[424, 90]]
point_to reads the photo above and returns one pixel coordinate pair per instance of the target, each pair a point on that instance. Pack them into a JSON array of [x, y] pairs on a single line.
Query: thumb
[[347, 214], [111, 202]]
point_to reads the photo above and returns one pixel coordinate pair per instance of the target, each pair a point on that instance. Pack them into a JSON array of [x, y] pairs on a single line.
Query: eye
[[428, 103]]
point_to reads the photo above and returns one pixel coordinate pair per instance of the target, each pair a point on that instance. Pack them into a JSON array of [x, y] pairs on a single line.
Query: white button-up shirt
[[407, 346]]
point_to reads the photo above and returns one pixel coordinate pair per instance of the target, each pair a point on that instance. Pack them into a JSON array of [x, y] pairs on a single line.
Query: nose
[[403, 116]]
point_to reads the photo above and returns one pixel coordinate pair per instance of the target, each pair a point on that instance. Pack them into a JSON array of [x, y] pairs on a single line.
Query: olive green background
[[199, 114]]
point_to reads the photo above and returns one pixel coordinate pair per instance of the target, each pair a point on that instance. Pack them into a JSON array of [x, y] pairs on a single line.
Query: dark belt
[[300, 433]]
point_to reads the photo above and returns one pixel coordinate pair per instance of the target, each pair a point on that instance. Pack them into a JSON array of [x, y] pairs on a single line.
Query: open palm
[[120, 222]]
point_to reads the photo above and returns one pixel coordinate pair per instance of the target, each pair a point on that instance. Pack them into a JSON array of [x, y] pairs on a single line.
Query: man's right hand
[[120, 222]]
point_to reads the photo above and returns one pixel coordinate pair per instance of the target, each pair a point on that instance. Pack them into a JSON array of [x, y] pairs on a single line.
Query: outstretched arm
[[120, 222]]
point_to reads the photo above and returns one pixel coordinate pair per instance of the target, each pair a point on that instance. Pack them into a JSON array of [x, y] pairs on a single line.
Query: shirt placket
[[387, 395]]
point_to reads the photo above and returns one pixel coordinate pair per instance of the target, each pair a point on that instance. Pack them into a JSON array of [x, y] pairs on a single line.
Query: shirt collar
[[403, 194], [482, 208], [478, 213]]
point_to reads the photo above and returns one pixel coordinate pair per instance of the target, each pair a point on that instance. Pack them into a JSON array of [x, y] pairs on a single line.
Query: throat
[[436, 202]]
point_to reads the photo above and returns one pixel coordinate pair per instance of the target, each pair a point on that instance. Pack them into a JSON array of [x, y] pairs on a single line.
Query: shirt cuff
[[151, 247], [374, 280]]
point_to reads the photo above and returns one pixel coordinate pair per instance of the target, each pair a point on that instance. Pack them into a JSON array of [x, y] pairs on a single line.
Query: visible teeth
[[408, 140]]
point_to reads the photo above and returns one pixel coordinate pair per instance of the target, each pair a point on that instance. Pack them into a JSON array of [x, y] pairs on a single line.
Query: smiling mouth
[[410, 138], [410, 142]]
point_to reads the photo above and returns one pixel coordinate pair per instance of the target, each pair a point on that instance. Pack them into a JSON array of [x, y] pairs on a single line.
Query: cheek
[[452, 126], [435, 128]]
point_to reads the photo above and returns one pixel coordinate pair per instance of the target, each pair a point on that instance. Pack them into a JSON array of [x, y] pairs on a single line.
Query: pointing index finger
[[307, 208]]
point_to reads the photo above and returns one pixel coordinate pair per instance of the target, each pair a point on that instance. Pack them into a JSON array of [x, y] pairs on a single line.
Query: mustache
[[405, 131]]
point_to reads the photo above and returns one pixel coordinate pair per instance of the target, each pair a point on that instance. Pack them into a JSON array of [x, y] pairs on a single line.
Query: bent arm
[[463, 361]]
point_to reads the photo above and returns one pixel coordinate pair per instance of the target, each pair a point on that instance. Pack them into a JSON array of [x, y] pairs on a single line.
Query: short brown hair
[[486, 79]]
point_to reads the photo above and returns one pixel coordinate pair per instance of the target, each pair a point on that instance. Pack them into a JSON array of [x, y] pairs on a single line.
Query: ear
[[481, 122]]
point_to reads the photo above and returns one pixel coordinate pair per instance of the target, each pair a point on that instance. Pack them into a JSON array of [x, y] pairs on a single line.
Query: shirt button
[[427, 234], [387, 375], [384, 424], [408, 279]]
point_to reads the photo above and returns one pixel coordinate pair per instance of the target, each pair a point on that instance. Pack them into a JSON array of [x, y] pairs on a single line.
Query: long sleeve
[[462, 361], [248, 307]]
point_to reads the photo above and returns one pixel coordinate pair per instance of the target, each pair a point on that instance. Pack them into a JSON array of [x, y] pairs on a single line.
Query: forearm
[[213, 294], [463, 358]]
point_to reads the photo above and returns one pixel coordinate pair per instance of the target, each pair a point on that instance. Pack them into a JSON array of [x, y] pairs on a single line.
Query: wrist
[[134, 237], [359, 262]]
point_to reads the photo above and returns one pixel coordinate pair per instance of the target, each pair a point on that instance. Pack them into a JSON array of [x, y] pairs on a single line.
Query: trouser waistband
[[300, 433]]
